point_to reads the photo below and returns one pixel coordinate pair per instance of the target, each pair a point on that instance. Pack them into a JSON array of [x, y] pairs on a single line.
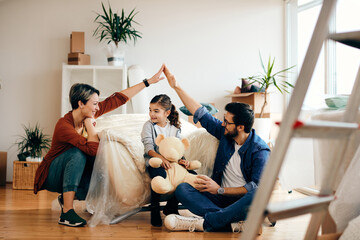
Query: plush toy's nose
[[172, 154]]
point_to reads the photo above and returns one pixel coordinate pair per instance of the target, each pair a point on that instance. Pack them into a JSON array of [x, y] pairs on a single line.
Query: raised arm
[[191, 104], [132, 91], [210, 123]]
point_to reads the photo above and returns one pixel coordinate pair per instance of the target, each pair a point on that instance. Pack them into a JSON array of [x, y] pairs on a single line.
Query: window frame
[[291, 15]]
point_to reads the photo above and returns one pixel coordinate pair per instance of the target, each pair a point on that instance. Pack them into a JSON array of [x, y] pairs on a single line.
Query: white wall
[[208, 45]]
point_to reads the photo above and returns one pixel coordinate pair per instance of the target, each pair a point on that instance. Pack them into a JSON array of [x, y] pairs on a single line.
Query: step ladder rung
[[323, 129], [349, 38], [297, 207]]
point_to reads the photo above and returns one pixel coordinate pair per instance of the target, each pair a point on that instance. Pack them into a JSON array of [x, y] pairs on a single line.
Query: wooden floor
[[24, 215]]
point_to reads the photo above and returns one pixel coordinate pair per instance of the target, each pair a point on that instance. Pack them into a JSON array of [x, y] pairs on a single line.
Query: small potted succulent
[[117, 30], [32, 144], [263, 81]]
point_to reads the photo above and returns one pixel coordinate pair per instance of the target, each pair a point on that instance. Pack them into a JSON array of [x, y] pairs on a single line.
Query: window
[[347, 58], [337, 65]]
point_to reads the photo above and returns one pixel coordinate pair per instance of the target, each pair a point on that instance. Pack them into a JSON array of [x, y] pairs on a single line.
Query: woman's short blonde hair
[[81, 92]]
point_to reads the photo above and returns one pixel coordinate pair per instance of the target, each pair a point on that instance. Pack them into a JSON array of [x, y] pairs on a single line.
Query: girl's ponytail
[[174, 117], [165, 101]]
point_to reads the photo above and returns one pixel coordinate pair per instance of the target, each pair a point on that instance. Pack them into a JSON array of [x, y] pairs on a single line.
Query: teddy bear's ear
[[186, 143], [159, 138]]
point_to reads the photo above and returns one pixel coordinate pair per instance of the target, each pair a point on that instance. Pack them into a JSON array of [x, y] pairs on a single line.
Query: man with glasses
[[223, 200]]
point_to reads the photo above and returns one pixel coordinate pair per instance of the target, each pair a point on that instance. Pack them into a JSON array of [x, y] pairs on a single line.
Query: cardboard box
[[24, 174], [78, 59], [77, 42], [3, 160], [255, 100]]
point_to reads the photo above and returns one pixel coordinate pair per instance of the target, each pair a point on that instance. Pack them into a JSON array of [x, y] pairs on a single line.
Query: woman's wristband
[[146, 82]]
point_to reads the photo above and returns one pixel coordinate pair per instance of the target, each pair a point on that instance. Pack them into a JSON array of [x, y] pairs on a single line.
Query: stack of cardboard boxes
[[77, 50]]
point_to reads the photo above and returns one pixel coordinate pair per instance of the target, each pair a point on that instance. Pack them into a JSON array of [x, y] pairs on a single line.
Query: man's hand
[[184, 163], [205, 184], [156, 78], [166, 164], [170, 77]]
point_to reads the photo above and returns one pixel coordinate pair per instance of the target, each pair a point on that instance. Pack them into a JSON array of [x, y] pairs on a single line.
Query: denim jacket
[[253, 153]]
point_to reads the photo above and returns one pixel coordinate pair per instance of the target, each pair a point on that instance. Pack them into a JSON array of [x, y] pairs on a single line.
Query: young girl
[[164, 119]]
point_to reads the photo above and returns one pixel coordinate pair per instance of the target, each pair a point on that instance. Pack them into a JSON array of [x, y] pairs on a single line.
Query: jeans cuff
[[207, 227], [70, 188]]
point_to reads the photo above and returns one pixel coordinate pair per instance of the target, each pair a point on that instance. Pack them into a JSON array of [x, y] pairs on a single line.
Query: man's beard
[[231, 135]]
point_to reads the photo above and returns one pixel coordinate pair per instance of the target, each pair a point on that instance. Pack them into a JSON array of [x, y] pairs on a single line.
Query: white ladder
[[290, 127]]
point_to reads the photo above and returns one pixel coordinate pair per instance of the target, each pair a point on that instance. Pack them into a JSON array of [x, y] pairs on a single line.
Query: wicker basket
[[24, 174]]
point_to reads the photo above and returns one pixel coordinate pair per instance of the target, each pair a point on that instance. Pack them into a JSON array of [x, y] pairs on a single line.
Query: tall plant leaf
[[114, 27]]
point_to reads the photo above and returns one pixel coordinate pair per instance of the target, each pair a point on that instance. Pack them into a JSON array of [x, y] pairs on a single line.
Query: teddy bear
[[173, 150]]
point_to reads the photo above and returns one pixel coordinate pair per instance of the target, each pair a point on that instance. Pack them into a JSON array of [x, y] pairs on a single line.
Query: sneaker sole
[[67, 223]]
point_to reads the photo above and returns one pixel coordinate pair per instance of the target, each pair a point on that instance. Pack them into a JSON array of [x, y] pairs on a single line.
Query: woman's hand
[[184, 163], [90, 128], [156, 78], [170, 77], [89, 121], [166, 164]]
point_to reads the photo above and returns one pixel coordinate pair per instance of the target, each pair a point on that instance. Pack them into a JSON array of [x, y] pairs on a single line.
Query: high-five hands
[[170, 77], [156, 78], [205, 184]]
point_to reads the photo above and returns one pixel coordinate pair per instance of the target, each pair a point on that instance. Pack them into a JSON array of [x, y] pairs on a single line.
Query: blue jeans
[[218, 211], [70, 171]]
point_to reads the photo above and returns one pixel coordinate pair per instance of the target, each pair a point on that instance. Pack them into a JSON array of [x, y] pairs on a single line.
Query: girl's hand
[[184, 163], [156, 78], [166, 164], [170, 77]]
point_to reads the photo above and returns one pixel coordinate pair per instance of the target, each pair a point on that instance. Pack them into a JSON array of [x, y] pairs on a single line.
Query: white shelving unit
[[107, 79]]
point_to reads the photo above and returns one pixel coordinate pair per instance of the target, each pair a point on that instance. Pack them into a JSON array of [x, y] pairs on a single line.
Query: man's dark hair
[[243, 114]]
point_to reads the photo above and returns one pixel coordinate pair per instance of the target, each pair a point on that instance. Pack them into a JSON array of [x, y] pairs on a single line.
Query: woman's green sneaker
[[71, 219]]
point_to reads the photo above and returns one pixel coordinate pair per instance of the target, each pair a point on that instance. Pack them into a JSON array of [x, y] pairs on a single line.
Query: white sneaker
[[237, 227], [175, 222]]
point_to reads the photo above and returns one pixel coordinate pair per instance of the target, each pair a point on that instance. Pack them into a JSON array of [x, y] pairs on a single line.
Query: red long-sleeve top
[[66, 137]]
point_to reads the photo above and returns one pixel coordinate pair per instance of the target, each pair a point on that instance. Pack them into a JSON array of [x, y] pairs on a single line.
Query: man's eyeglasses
[[226, 122]]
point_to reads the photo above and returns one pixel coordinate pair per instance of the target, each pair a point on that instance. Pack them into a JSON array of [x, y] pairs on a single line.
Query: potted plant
[[264, 81], [116, 30], [32, 143]]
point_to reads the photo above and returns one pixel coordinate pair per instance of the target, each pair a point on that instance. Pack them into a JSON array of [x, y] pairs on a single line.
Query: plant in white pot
[[265, 80], [32, 144], [117, 30]]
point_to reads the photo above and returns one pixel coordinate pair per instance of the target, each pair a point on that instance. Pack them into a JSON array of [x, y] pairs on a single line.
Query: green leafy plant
[[113, 27], [267, 78], [33, 142]]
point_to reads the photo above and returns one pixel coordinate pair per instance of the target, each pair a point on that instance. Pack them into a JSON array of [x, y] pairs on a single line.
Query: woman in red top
[[67, 167]]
